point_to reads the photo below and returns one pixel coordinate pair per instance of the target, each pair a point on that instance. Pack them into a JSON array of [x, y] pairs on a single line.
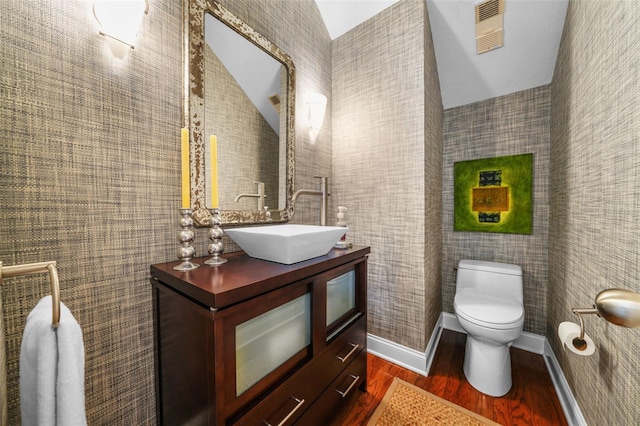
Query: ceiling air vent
[[489, 25], [275, 101]]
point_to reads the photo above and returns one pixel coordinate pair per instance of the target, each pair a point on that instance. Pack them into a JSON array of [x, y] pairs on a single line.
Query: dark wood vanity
[[253, 342]]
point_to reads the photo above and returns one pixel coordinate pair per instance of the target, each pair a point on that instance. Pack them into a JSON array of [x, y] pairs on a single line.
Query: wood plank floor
[[532, 399]]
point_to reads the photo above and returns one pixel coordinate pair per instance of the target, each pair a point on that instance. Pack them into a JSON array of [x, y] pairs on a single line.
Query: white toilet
[[489, 307]]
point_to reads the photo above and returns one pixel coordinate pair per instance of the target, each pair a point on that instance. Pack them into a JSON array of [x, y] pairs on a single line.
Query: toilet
[[489, 306]]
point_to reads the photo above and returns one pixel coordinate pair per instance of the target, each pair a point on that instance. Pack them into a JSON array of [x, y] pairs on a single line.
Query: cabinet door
[[341, 296], [345, 292], [266, 341], [266, 338]]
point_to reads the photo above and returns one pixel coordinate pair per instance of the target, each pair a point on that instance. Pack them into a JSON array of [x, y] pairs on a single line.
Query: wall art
[[494, 195]]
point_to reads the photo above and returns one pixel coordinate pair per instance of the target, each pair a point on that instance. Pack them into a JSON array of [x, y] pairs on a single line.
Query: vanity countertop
[[244, 277]]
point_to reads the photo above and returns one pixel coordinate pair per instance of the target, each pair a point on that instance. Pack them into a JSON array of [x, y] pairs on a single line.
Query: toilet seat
[[488, 310]]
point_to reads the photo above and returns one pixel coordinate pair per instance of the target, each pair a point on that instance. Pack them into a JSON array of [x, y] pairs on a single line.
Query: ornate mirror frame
[[193, 110]]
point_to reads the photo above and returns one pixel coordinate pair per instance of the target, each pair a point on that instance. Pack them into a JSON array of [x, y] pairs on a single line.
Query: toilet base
[[487, 367]]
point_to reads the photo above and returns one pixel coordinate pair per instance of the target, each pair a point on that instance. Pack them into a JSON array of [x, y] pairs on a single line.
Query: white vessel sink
[[286, 243]]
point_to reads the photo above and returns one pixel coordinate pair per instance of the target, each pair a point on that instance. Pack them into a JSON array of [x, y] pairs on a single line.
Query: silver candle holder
[[216, 247], [186, 237]]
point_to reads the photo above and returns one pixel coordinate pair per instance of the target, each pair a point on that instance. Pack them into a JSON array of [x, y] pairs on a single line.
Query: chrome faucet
[[260, 196], [322, 192]]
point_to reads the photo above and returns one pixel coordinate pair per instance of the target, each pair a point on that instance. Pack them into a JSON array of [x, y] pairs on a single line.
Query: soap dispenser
[[342, 243]]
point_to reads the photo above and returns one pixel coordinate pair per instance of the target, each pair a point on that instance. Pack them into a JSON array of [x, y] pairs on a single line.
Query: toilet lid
[[490, 310]]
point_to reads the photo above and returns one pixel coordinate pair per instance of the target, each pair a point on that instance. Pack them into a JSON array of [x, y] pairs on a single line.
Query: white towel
[[52, 369]]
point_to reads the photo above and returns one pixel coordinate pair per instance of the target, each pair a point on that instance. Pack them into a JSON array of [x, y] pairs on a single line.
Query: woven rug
[[405, 404]]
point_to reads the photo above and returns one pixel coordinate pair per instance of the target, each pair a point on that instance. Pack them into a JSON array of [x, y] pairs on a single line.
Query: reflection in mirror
[[243, 92], [243, 87]]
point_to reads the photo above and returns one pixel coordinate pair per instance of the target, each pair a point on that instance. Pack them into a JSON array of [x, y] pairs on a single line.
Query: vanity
[[254, 342]]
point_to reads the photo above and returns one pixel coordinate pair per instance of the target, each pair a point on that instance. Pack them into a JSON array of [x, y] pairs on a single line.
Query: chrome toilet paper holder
[[616, 305]]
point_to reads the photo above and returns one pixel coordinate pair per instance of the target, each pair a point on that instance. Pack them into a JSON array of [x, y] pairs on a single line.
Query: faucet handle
[[324, 184], [261, 189]]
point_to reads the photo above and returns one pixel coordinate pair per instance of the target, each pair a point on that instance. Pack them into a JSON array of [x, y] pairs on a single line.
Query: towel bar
[[33, 268]]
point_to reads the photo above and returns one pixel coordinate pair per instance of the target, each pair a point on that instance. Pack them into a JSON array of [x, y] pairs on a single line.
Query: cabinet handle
[[355, 379], [346, 357], [291, 413]]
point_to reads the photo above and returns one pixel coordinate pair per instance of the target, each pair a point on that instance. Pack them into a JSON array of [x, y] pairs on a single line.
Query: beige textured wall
[[594, 234], [387, 145], [90, 178], [513, 124], [90, 174]]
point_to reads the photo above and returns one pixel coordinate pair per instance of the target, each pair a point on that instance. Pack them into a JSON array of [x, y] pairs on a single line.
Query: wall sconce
[[317, 104], [119, 22]]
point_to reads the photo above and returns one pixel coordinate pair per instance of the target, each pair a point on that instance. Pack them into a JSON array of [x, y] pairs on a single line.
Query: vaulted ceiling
[[532, 32]]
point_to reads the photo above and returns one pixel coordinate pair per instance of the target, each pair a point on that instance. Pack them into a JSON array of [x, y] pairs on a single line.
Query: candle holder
[[186, 237], [216, 246]]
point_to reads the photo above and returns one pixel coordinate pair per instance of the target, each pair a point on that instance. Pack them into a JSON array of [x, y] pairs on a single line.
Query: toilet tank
[[490, 277]]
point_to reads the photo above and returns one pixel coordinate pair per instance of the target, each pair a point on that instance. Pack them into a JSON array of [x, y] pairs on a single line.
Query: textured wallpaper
[[513, 124], [90, 178], [594, 231], [387, 146], [90, 172]]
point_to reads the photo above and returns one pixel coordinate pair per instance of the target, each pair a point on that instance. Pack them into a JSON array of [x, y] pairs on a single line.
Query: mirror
[[240, 87]]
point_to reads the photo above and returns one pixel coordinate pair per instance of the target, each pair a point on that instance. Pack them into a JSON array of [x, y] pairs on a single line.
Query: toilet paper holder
[[617, 305]]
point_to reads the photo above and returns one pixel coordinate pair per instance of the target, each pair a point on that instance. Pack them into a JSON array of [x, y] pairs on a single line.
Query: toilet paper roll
[[567, 331]]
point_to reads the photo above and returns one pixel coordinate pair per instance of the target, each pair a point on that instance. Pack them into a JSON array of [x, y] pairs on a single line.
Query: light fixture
[[317, 104], [119, 22]]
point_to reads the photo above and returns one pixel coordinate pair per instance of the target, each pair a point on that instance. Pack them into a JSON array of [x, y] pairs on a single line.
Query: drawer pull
[[346, 357], [291, 413], [344, 394]]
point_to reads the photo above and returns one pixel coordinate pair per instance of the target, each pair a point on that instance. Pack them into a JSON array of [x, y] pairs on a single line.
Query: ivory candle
[[214, 171], [186, 187]]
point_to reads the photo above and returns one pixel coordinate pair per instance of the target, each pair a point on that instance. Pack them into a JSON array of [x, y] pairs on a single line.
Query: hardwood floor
[[532, 399]]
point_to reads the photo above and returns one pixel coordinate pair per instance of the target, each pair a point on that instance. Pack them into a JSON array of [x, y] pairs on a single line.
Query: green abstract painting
[[494, 195]]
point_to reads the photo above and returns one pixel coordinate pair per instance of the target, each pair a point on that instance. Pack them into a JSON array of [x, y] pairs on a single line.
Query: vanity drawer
[[338, 392], [344, 348], [289, 400]]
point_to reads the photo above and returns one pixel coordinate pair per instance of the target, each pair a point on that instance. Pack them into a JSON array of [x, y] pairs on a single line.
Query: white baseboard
[[408, 358], [400, 355], [421, 362], [569, 404], [430, 352]]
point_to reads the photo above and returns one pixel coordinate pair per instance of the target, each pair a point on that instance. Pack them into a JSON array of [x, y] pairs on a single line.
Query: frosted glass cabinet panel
[[265, 342], [341, 296]]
